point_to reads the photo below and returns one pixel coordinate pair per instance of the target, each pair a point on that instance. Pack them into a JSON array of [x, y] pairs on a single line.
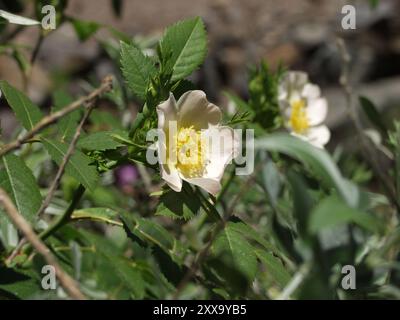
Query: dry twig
[[52, 118], [19, 221]]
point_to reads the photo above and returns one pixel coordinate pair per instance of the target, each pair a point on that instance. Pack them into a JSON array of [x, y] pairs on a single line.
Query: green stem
[[207, 206], [66, 217], [225, 187]]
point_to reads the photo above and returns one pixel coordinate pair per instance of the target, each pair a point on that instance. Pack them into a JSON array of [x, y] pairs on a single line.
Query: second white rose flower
[[303, 108]]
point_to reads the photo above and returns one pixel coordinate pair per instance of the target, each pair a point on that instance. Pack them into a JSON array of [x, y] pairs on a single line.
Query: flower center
[[298, 117], [190, 152]]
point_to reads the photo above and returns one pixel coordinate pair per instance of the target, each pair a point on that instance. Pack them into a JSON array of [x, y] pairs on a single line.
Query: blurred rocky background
[[301, 34]]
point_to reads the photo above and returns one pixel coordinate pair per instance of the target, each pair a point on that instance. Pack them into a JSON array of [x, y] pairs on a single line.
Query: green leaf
[[102, 140], [249, 233], [20, 184], [25, 111], [84, 29], [178, 205], [112, 266], [67, 124], [372, 113], [78, 166], [302, 201], [318, 160], [271, 179], [105, 215], [274, 267], [128, 273], [146, 231], [241, 253], [184, 46], [23, 63], [332, 212], [18, 284], [137, 68]]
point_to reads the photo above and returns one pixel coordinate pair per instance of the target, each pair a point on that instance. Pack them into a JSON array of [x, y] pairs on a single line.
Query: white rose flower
[[194, 147], [303, 108]]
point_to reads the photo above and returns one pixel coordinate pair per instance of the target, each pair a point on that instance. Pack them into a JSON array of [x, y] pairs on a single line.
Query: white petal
[[210, 185], [318, 136], [311, 91], [166, 112], [296, 80], [223, 148], [316, 111], [195, 110], [171, 177], [13, 18]]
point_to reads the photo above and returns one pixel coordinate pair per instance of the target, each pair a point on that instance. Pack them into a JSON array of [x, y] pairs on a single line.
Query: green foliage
[[317, 160], [137, 68], [101, 141], [145, 231], [97, 214], [183, 47], [284, 231], [79, 165], [263, 91], [178, 205], [18, 181], [233, 259], [24, 109], [274, 268], [66, 126], [332, 212]]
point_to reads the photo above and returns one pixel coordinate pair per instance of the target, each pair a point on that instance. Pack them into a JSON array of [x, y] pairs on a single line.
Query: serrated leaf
[[25, 111], [15, 19], [20, 184], [251, 234], [102, 140], [178, 205], [78, 166], [105, 215], [67, 124], [115, 267], [242, 254], [129, 274], [137, 68], [184, 45], [332, 211], [317, 160], [147, 231], [274, 268]]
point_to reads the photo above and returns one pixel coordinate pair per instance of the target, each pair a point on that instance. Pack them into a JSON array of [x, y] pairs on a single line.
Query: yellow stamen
[[298, 117], [190, 148]]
